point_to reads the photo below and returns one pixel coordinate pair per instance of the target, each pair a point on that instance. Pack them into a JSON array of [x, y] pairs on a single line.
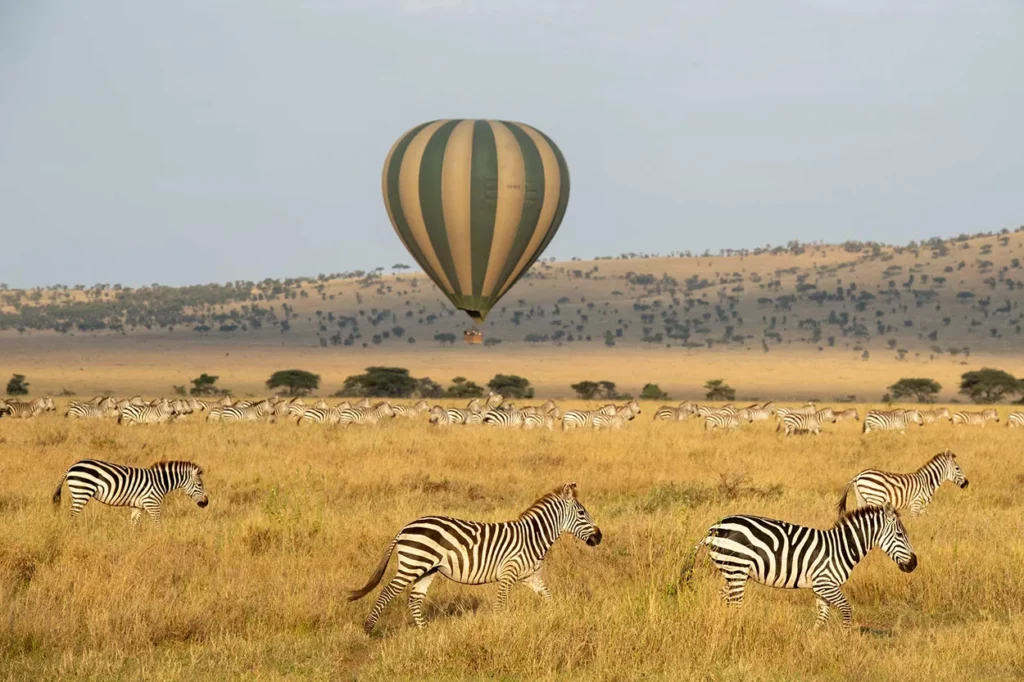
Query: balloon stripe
[[431, 200], [409, 194], [509, 210], [552, 189], [392, 202], [484, 197], [563, 198], [533, 202], [455, 198]]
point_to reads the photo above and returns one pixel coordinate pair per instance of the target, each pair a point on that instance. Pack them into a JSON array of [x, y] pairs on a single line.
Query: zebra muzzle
[[964, 484], [203, 502], [910, 565], [595, 538]]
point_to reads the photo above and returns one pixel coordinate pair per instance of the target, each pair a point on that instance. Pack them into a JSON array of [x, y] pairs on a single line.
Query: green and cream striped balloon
[[475, 202]]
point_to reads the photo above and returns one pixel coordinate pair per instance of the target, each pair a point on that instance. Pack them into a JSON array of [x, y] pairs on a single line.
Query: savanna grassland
[[254, 586]]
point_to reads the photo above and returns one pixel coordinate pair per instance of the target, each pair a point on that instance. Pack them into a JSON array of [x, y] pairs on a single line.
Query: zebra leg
[[390, 591], [505, 582], [416, 594], [78, 503], [152, 507], [136, 515], [735, 582], [830, 593], [823, 613], [536, 583]]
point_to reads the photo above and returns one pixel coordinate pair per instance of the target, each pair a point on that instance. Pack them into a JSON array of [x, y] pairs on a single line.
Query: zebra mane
[[176, 463], [859, 513], [543, 501]]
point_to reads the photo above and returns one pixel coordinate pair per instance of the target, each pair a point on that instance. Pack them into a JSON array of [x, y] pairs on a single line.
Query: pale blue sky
[[209, 140]]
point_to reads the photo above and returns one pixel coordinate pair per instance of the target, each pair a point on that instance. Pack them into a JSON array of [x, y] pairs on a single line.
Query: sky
[[213, 140]]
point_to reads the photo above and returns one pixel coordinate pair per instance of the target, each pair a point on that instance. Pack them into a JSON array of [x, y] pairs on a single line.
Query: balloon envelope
[[475, 202]]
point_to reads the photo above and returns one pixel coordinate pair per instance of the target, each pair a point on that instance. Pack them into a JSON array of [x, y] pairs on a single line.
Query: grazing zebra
[[411, 411], [932, 416], [246, 412], [904, 491], [781, 554], [124, 486], [671, 414], [145, 414], [77, 410], [621, 417], [793, 423], [1015, 419], [505, 419], [975, 418], [897, 420], [366, 416], [20, 410], [580, 418], [721, 420], [475, 553], [847, 414]]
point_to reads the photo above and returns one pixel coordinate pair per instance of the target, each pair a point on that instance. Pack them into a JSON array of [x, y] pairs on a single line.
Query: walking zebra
[[975, 418], [672, 414], [124, 486], [574, 419], [145, 414], [319, 415], [781, 554], [904, 491], [1015, 419], [757, 413], [535, 420], [475, 553], [621, 417], [847, 414], [246, 412], [505, 419], [721, 420], [411, 411], [458, 415], [19, 410], [897, 420], [366, 416], [793, 423], [77, 410], [932, 416]]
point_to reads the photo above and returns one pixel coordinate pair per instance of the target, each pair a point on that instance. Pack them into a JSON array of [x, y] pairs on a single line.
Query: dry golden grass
[[254, 585]]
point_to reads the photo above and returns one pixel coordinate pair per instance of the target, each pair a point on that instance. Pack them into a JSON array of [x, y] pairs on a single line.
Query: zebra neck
[[931, 474], [166, 479], [852, 542], [543, 526]]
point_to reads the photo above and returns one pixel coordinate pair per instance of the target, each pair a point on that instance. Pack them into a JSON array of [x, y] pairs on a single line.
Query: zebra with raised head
[[904, 491], [932, 416], [897, 420], [411, 411], [124, 486], [494, 401], [575, 419], [975, 418], [366, 416], [793, 423], [1016, 419], [145, 414], [474, 553], [781, 554]]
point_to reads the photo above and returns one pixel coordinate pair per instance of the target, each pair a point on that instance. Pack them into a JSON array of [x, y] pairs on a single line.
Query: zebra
[[721, 420], [362, 402], [320, 415], [897, 420], [77, 410], [793, 423], [551, 408], [124, 486], [1015, 419], [474, 553], [807, 410], [457, 415], [411, 412], [781, 554], [439, 416], [145, 414], [505, 419], [904, 491], [539, 421], [757, 413], [671, 414], [19, 410], [976, 418], [366, 416], [621, 417], [573, 419], [246, 413], [494, 401], [932, 416], [847, 414]]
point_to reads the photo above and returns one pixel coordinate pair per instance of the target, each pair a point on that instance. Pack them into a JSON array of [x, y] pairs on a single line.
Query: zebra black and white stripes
[[794, 423], [975, 418], [1015, 420], [475, 553], [366, 416], [782, 554], [904, 491], [145, 414], [125, 486], [897, 420]]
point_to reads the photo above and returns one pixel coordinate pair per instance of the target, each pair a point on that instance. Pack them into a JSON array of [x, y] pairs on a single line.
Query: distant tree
[[511, 386], [922, 390], [608, 390], [586, 390], [445, 337], [989, 385], [17, 385], [463, 388], [427, 388], [717, 389], [384, 382], [653, 392], [609, 338], [297, 381]]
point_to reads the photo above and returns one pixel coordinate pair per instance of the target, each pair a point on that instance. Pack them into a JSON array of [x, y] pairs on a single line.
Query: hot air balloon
[[475, 202]]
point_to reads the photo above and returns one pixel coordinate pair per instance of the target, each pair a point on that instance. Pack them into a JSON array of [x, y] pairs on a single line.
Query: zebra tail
[[354, 595], [56, 493], [686, 572], [841, 505]]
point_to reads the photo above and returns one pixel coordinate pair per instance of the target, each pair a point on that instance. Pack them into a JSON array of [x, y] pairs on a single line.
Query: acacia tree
[[922, 390], [297, 381], [17, 385], [511, 386], [717, 389], [988, 385]]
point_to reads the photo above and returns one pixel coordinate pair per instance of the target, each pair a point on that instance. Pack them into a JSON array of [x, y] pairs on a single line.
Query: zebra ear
[[569, 491], [889, 509]]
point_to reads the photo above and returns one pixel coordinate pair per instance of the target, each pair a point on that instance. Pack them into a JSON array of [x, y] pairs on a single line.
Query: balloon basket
[[473, 336]]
